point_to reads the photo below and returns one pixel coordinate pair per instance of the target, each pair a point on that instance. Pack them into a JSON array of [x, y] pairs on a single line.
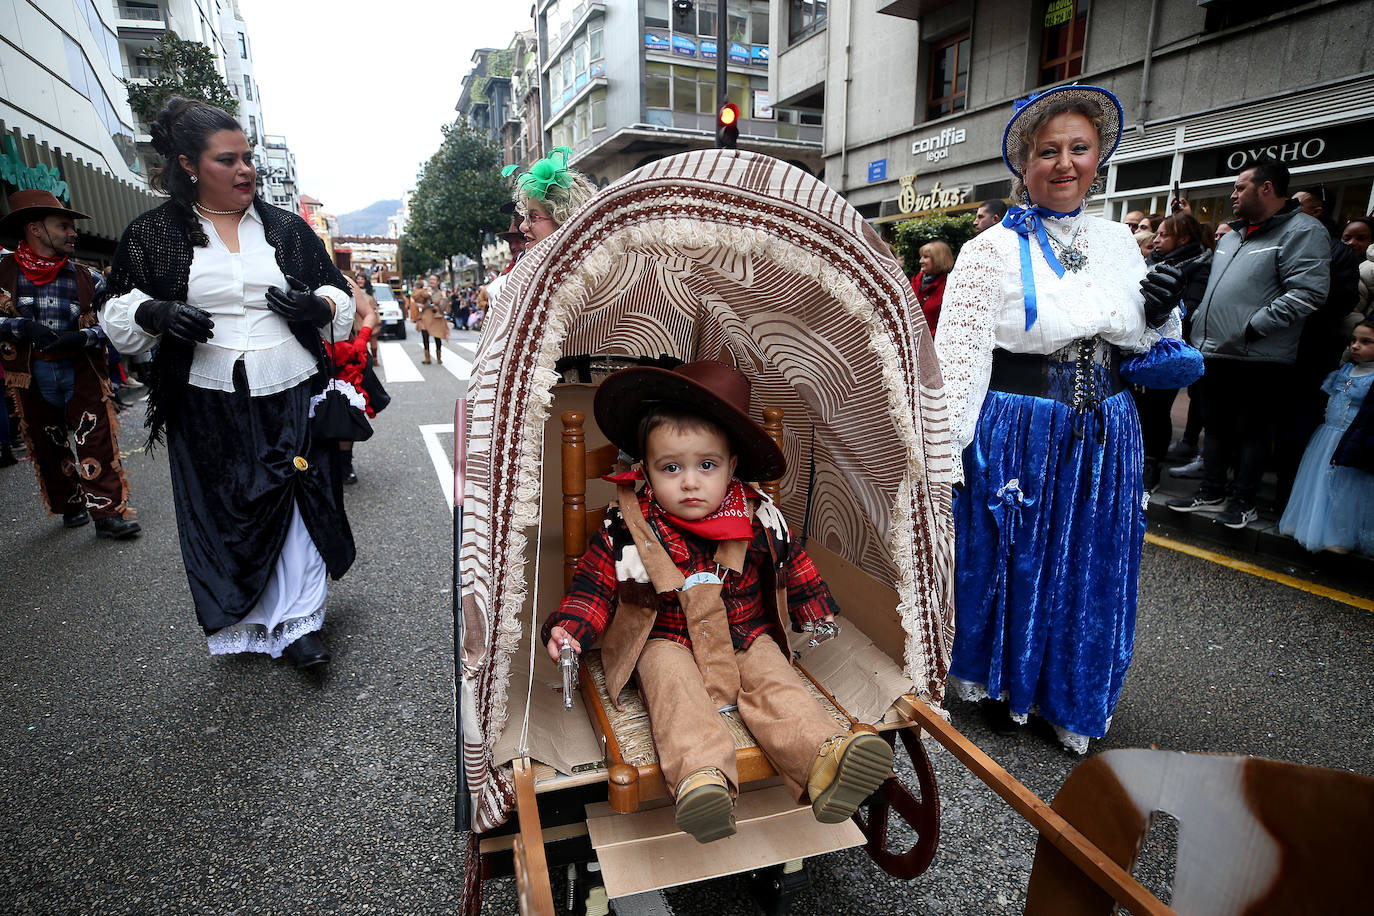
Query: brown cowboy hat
[[27, 206], [709, 388]]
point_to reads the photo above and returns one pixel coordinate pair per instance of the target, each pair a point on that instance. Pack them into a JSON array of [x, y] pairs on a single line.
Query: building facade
[[238, 73], [625, 82], [917, 93], [277, 180], [65, 121]]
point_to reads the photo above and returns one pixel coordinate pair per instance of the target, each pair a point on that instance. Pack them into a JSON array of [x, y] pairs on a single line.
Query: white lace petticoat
[[973, 692], [291, 605]]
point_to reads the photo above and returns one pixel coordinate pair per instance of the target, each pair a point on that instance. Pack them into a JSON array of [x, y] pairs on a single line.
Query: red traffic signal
[[727, 126]]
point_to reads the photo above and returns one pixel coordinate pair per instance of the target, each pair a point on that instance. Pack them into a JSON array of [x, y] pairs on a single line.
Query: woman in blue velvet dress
[[1050, 522]]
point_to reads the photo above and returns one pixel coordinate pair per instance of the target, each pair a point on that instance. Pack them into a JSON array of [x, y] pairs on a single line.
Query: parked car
[[390, 312]]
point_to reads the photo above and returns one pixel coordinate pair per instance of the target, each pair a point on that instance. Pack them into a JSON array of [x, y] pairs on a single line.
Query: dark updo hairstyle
[[1185, 228], [183, 128]]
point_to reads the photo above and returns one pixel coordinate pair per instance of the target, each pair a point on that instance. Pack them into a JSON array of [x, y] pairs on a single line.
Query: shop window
[[805, 17], [947, 90], [656, 14], [657, 88], [1062, 39], [706, 19], [1148, 173], [598, 105]]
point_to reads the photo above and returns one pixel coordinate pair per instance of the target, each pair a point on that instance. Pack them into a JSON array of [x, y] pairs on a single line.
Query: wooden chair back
[[580, 466]]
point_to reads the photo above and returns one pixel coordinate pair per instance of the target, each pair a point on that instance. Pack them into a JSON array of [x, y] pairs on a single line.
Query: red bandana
[[40, 270], [730, 522]]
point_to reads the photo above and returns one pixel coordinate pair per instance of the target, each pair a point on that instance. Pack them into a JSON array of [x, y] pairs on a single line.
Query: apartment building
[[916, 94]]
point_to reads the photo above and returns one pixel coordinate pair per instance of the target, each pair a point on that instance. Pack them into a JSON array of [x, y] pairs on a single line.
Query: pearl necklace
[[204, 209]]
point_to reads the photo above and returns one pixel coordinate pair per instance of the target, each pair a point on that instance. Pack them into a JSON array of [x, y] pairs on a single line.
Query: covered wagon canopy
[[714, 254]]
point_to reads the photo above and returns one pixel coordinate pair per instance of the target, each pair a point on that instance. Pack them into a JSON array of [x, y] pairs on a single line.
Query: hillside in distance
[[370, 220]]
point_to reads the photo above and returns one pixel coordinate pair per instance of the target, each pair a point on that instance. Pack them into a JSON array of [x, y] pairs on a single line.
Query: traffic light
[[727, 126]]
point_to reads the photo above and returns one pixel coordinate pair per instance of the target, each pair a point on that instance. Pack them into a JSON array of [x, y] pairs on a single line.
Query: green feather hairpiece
[[546, 173]]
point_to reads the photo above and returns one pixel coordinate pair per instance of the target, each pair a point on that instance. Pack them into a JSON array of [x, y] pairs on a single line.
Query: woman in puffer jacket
[[1178, 241]]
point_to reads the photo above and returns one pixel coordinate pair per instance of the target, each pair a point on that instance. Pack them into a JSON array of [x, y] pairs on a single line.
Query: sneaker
[[1191, 470], [848, 769], [1181, 451], [1237, 514], [1197, 502], [704, 807]]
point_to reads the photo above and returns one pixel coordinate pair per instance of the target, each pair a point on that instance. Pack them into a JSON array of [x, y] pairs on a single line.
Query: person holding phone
[[234, 295]]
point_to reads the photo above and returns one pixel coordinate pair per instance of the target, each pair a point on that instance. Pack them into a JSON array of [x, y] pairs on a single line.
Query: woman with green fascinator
[[548, 194]]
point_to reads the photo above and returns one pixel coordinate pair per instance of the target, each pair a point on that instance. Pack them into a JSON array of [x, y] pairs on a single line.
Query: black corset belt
[[1082, 375]]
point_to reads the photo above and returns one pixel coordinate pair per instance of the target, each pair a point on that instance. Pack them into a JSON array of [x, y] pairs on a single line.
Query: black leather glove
[[177, 319], [64, 341], [299, 303], [1161, 288], [26, 330]]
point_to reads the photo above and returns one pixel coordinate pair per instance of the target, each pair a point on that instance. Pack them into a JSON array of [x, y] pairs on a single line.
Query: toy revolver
[[567, 666]]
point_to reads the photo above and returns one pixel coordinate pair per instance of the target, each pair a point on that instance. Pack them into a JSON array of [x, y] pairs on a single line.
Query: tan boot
[[425, 361], [704, 806], [439, 354], [847, 770]]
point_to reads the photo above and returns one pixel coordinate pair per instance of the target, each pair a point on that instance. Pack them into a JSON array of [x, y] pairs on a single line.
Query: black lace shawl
[[154, 256]]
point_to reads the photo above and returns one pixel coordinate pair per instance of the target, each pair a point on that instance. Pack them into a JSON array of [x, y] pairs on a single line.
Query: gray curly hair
[[561, 203]]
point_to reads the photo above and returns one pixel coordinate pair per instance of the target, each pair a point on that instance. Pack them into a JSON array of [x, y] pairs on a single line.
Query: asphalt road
[[140, 775]]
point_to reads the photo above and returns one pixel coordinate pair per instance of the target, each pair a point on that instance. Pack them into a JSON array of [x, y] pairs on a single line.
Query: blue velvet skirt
[[1049, 530]]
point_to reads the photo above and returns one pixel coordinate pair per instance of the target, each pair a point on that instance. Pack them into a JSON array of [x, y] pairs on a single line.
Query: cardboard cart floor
[[645, 851]]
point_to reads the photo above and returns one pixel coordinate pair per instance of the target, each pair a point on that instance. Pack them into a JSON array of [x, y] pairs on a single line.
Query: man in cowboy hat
[[56, 363], [690, 580]]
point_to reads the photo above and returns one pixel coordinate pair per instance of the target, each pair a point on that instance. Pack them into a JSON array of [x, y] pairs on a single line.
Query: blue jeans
[[55, 379]]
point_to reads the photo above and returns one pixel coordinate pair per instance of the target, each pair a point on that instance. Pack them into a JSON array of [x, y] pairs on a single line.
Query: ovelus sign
[[937, 147], [24, 177]]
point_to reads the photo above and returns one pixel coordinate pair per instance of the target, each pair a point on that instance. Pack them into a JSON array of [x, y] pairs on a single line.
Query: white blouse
[[985, 307], [232, 287]]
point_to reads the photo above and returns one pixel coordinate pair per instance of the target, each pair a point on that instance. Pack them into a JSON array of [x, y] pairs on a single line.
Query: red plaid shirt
[[587, 608]]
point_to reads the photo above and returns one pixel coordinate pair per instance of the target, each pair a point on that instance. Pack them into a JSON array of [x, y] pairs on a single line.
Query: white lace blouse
[[232, 287], [985, 307]]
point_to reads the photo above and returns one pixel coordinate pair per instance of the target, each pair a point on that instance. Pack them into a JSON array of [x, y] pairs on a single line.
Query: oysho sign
[[937, 198], [937, 147], [1324, 144]]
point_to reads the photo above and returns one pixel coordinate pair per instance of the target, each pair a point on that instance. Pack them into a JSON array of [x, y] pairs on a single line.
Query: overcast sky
[[360, 89]]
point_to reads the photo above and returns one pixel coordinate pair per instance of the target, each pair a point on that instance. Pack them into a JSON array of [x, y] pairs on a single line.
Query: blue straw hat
[[1107, 105]]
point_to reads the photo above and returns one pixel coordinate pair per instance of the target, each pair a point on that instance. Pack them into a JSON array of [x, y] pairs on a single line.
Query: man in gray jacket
[[1267, 276]]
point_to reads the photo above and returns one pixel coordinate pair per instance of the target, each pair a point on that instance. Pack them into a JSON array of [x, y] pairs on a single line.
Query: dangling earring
[[194, 179]]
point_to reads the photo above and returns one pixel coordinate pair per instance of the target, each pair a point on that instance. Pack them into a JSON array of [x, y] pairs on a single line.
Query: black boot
[[7, 456], [306, 651], [348, 476], [1151, 474]]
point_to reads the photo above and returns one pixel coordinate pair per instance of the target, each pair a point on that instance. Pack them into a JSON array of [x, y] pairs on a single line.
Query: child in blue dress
[[1332, 506]]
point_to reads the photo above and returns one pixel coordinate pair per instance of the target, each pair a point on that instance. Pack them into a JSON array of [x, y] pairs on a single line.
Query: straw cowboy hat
[[27, 206], [708, 388]]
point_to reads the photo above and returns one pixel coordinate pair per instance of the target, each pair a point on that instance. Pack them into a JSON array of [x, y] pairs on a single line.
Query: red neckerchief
[[40, 270], [730, 522]]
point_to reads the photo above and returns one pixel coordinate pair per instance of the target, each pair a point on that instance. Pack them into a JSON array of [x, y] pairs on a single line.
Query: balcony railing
[[144, 72], [144, 13]]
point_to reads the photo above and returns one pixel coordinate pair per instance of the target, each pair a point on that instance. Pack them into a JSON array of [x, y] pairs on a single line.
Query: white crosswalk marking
[[443, 464], [397, 366], [457, 365]]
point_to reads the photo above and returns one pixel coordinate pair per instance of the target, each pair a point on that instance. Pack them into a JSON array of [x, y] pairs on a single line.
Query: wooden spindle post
[[574, 492], [772, 424]]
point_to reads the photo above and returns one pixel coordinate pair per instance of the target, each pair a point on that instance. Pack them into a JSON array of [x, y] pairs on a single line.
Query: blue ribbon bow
[[1025, 222]]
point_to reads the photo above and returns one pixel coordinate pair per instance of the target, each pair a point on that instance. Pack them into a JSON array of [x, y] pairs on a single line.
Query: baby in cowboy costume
[[689, 580]]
